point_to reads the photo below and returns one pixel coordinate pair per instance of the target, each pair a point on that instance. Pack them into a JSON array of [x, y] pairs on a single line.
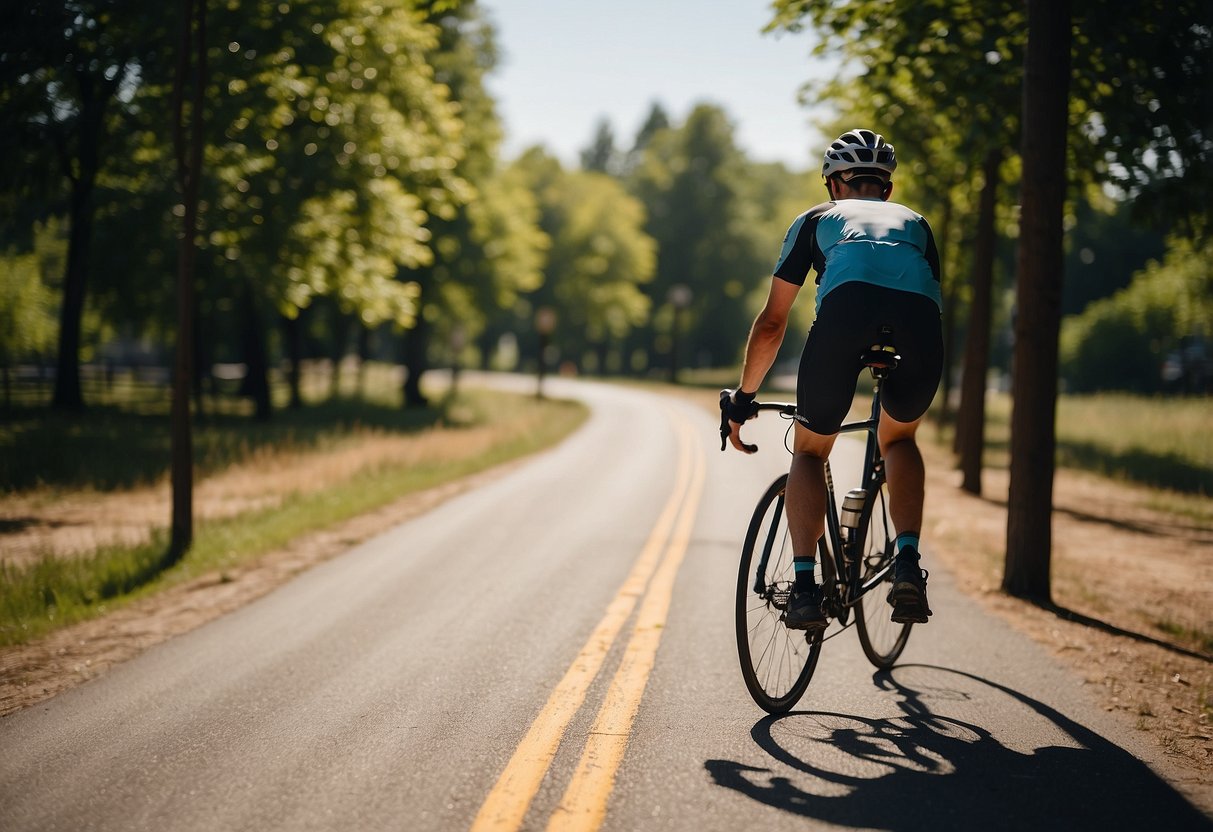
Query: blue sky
[[565, 65]]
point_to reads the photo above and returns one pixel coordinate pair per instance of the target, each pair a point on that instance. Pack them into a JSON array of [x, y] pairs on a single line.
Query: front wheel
[[776, 663], [882, 638]]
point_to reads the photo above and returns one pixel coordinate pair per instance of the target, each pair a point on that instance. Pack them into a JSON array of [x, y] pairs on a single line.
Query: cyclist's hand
[[735, 439], [736, 407]]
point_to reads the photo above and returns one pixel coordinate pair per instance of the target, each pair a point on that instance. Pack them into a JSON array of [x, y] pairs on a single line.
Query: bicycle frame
[[872, 479]]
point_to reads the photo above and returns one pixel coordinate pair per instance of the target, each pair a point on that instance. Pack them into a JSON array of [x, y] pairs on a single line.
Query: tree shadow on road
[[925, 770]]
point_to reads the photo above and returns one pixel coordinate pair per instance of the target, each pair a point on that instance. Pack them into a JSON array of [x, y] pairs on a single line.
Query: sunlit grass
[[473, 433], [123, 439], [1161, 442]]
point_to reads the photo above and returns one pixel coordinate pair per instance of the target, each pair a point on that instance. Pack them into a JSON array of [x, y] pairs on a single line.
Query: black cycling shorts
[[849, 323]]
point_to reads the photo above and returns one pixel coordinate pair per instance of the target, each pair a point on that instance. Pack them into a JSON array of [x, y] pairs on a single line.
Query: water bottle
[[852, 507]]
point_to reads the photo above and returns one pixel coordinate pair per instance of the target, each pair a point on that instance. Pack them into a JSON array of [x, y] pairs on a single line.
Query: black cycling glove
[[741, 406]]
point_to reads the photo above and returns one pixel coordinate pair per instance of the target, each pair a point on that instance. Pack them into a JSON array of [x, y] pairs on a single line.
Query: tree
[[1038, 316], [599, 258], [1144, 95], [692, 180], [1105, 248], [601, 156], [656, 121], [487, 249], [1160, 322], [334, 151], [27, 321], [505, 262], [62, 67], [970, 426], [1143, 106], [188, 118]]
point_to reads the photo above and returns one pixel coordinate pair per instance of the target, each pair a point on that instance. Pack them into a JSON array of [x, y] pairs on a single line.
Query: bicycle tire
[[881, 638], [776, 663]]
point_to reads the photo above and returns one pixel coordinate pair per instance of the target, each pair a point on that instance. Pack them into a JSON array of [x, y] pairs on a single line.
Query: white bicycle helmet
[[859, 149]]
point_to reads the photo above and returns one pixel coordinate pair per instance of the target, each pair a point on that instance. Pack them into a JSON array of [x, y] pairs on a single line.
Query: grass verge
[[56, 591]]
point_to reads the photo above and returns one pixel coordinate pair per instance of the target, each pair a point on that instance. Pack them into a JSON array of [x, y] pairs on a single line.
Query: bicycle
[[778, 663]]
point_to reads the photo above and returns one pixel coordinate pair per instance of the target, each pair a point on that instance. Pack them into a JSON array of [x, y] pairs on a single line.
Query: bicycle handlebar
[[786, 408]]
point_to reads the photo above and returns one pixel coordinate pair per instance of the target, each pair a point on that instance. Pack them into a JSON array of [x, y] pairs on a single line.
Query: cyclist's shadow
[[925, 770]]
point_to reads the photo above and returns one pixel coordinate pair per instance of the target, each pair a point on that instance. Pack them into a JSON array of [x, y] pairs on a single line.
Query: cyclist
[[877, 270]]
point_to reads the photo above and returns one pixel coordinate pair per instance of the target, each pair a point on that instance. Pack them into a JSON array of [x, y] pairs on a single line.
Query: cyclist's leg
[[806, 506], [824, 389], [904, 472], [806, 492], [905, 476], [906, 396]]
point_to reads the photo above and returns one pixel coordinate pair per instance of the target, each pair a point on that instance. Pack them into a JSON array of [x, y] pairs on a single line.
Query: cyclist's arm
[[766, 335]]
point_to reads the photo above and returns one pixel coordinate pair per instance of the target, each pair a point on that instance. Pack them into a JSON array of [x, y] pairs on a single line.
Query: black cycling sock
[[804, 572]]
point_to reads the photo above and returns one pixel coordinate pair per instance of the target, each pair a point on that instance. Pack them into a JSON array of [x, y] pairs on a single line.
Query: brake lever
[[724, 419]]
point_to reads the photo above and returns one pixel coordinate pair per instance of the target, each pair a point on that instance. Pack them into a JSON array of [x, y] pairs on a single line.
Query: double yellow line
[[584, 803]]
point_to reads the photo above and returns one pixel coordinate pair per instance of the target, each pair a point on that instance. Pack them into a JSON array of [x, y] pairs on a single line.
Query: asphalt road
[[555, 650]]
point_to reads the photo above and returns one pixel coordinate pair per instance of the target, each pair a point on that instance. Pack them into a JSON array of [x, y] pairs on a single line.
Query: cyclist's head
[[859, 156]]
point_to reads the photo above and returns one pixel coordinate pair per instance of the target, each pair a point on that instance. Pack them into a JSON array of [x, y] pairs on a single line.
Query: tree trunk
[[293, 330], [337, 349], [202, 359], [416, 342], [364, 356], [1038, 317], [602, 351], [189, 169], [971, 416], [256, 383], [416, 352], [67, 395]]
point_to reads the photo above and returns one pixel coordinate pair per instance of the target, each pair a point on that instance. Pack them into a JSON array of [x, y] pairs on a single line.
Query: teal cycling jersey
[[868, 240]]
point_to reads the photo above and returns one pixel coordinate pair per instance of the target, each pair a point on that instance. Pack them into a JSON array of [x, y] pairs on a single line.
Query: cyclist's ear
[[888, 190]]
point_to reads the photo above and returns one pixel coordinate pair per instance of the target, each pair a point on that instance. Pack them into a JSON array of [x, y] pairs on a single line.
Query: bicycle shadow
[[926, 770]]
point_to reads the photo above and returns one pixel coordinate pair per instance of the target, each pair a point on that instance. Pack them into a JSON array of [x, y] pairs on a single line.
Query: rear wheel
[[776, 663], [882, 638]]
